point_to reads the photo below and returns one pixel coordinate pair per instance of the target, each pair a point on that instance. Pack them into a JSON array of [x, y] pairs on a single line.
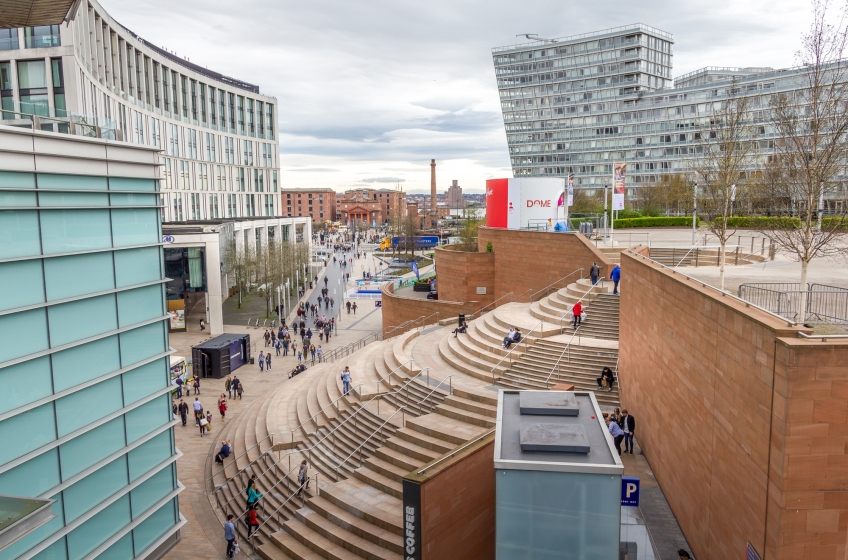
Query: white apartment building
[[94, 77]]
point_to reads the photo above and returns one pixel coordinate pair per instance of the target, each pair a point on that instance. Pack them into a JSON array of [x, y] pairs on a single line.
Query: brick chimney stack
[[434, 210]]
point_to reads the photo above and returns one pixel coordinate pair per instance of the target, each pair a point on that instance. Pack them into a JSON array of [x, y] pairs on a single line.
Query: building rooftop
[[636, 27], [553, 431]]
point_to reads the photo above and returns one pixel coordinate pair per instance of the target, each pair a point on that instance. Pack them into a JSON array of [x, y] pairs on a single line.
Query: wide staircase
[[414, 398], [686, 256]]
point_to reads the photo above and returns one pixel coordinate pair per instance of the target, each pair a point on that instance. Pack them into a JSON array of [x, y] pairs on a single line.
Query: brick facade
[[461, 273], [398, 309], [535, 259], [744, 424]]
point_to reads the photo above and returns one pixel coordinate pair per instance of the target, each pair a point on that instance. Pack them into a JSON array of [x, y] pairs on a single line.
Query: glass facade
[[86, 415], [578, 105]]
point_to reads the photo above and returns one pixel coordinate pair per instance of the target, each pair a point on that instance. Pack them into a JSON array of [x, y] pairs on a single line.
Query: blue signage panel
[[752, 554], [421, 241], [236, 354], [630, 491]]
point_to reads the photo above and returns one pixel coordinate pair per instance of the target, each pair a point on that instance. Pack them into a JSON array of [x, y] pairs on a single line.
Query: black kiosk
[[219, 356]]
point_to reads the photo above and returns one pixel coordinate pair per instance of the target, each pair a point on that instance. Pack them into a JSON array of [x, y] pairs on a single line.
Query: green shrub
[[489, 247], [660, 221], [754, 222], [841, 223]]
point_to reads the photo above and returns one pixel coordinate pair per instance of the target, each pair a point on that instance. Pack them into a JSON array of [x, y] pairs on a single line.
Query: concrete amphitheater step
[[379, 481], [445, 428], [434, 444], [466, 416], [340, 536], [270, 551], [357, 525], [293, 547], [362, 500]]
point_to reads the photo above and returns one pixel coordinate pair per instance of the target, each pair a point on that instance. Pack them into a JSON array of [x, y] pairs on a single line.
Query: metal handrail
[[521, 295], [457, 450], [268, 491], [378, 429], [601, 281], [479, 312], [549, 286], [823, 337], [379, 382], [722, 293], [567, 348], [236, 458], [405, 323], [424, 319], [522, 341], [276, 511]]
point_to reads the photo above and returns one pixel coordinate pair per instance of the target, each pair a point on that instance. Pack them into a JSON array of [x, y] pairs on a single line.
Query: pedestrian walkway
[[202, 535]]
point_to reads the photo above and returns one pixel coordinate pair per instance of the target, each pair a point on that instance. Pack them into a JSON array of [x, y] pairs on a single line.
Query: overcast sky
[[370, 91]]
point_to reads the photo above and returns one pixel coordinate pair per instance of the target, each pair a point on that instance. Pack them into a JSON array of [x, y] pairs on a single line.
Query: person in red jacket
[[577, 311], [252, 520]]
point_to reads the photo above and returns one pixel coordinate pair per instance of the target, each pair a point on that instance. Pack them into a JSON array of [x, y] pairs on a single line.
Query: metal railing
[[535, 295], [600, 238], [824, 304], [699, 255], [389, 333], [600, 281], [565, 350], [348, 349], [236, 458], [388, 376], [509, 353], [402, 410], [290, 498], [424, 319], [480, 312]]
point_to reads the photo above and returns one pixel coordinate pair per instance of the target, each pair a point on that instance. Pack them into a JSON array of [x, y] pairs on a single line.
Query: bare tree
[[725, 152], [809, 161], [241, 263], [467, 232], [672, 194]]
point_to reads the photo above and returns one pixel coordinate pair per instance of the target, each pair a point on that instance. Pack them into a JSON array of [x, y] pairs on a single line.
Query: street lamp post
[[694, 212]]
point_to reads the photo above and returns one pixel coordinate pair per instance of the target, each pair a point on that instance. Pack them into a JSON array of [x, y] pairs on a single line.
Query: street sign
[[630, 491], [378, 303]]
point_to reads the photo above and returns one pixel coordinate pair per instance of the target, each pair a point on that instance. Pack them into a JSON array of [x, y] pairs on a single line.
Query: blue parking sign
[[630, 491]]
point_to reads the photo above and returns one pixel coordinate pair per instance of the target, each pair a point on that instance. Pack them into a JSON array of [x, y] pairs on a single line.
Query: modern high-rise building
[[577, 105], [92, 76], [85, 412]]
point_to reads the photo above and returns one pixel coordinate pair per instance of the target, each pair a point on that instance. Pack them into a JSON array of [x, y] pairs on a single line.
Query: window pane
[[145, 380], [121, 550], [88, 405], [72, 199], [136, 266], [81, 319], [73, 182], [149, 454], [154, 527], [22, 333], [23, 199], [135, 227], [19, 234], [18, 180], [75, 230], [141, 304], [95, 445], [56, 551], [142, 343], [152, 490], [98, 529], [24, 383], [78, 275], [85, 362], [32, 74], [95, 488], [27, 431], [146, 418], [19, 547], [21, 283], [34, 477], [126, 184], [133, 199]]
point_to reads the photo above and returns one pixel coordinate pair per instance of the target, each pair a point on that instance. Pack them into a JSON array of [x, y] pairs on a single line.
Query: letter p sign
[[630, 491]]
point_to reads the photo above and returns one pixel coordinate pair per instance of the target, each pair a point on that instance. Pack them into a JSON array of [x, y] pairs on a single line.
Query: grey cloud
[[312, 170], [384, 180]]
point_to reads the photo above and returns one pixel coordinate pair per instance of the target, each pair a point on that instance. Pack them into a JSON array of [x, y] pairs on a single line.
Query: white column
[[214, 299]]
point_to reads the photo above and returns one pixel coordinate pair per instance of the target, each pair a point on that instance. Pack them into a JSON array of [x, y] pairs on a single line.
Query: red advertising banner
[[497, 201]]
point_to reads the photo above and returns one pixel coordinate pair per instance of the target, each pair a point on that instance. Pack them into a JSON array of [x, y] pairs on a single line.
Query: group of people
[[622, 427], [513, 336]]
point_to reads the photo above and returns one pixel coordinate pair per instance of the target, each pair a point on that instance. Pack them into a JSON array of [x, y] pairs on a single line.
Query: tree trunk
[[722, 257], [802, 303]]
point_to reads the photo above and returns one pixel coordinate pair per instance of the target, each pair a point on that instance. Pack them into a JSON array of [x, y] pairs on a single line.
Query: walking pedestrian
[[615, 276], [228, 386], [617, 434], [202, 422], [353, 307], [196, 385], [595, 272], [198, 411], [286, 342], [182, 409], [277, 346], [202, 325], [234, 386], [347, 304], [320, 353], [253, 494], [628, 424], [303, 477], [252, 521], [222, 406], [230, 536], [312, 352], [577, 312], [240, 389], [268, 361], [346, 379], [261, 360], [267, 337], [179, 383], [332, 301], [209, 421]]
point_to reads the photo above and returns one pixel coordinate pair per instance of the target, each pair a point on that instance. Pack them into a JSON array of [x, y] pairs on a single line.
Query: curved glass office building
[[92, 76], [577, 105], [85, 412]]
